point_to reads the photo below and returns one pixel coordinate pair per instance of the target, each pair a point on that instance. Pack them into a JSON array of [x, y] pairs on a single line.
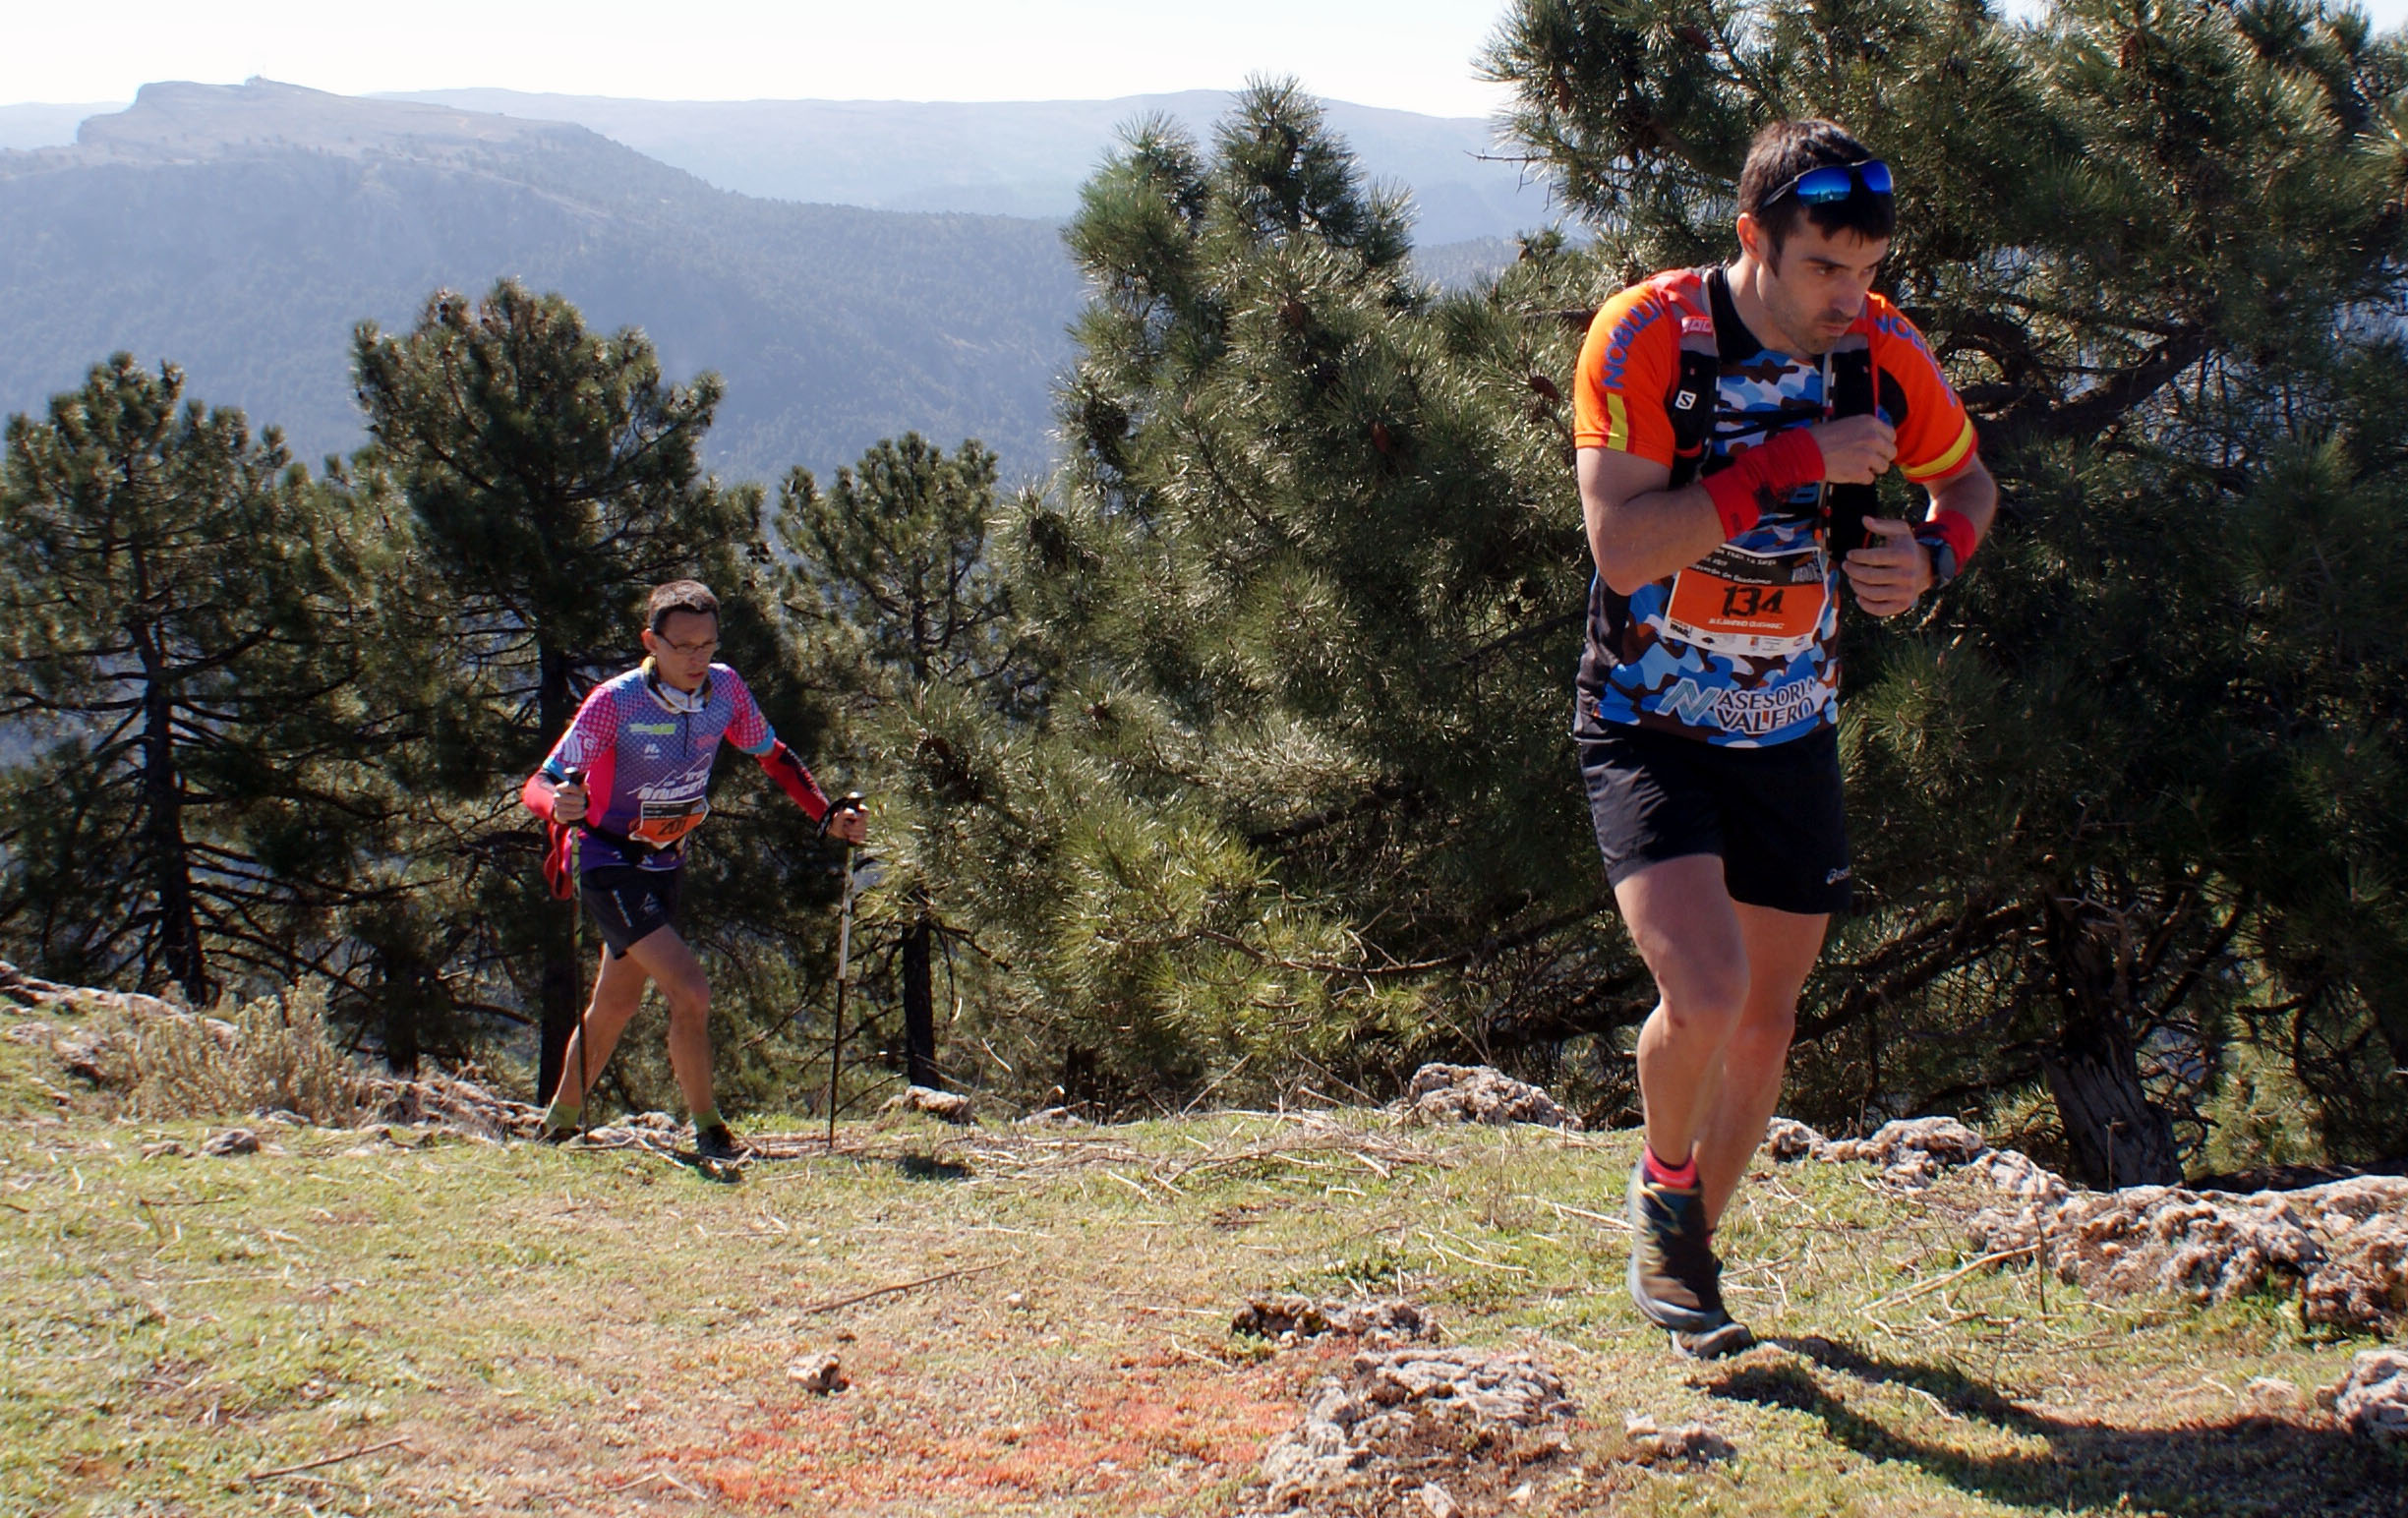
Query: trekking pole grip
[[850, 801]]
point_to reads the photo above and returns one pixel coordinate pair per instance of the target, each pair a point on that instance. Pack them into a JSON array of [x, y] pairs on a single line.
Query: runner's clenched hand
[[1889, 574], [569, 802], [1856, 451]]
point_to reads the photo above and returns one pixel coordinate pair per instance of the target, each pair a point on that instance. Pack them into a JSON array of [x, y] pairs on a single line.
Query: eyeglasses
[[692, 650], [1836, 182]]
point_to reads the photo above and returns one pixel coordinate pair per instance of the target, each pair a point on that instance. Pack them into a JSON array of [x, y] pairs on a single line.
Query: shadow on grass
[[718, 1172], [2252, 1465], [926, 1167]]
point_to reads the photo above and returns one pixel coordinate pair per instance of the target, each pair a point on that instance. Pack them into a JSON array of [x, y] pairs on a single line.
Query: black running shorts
[[630, 902], [1774, 816]]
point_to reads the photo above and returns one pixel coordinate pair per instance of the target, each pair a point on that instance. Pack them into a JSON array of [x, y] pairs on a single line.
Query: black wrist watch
[[1943, 557]]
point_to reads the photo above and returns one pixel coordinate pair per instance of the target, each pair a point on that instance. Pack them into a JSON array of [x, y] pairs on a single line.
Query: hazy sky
[[1412, 54]]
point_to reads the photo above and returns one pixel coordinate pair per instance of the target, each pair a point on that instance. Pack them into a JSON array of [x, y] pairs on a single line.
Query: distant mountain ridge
[[1015, 158], [1021, 158], [41, 125], [242, 231]]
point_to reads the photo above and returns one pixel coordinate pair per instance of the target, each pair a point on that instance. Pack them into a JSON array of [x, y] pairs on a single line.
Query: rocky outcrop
[[2158, 1238], [944, 1106], [1478, 1094], [1375, 1321], [2373, 1397], [2342, 1245], [1400, 1422]]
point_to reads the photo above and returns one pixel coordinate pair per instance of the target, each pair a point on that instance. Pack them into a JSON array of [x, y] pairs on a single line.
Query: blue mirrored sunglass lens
[[1836, 182]]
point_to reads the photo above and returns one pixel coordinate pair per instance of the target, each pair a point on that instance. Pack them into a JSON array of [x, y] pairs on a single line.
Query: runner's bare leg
[[1680, 916], [1782, 948], [618, 989], [664, 957]]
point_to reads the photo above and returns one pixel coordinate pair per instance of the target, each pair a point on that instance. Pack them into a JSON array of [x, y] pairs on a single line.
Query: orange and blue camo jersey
[[1738, 649]]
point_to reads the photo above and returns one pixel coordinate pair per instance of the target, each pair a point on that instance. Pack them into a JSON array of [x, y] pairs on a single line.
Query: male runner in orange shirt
[[1730, 422]]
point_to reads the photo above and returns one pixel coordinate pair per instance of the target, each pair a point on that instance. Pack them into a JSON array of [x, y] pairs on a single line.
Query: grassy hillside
[[520, 1329], [242, 231]]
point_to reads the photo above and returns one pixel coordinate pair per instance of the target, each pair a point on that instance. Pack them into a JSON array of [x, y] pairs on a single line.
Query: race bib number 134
[[1760, 605]]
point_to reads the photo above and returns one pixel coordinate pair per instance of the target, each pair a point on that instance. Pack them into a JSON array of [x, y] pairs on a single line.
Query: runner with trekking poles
[[1730, 425], [623, 788]]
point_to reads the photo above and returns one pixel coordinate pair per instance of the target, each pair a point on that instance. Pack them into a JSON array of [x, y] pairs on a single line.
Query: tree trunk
[[404, 983], [179, 926], [558, 981], [400, 1035], [919, 1006], [2118, 1135]]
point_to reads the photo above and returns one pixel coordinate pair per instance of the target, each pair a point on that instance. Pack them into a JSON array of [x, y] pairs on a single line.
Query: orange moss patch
[[1150, 1429]]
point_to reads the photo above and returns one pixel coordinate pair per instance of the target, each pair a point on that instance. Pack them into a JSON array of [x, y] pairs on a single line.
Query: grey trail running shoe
[[1674, 1278]]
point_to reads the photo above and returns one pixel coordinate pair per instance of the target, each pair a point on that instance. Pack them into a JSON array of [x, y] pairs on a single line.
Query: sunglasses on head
[[1834, 182]]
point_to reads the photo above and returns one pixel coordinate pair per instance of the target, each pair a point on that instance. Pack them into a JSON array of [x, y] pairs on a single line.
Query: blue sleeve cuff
[[768, 742]]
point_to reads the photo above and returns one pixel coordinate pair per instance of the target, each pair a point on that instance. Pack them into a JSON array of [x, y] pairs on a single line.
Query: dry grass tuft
[[274, 1054]]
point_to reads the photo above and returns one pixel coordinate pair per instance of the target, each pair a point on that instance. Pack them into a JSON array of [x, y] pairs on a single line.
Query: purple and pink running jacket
[[646, 750]]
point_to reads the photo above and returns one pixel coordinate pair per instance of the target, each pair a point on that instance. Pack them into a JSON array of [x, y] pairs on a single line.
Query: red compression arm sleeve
[[793, 779], [1756, 481], [1954, 529]]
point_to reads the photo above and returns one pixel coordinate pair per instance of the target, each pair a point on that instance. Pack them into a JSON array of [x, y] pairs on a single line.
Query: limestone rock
[[1691, 1443], [454, 1104], [234, 1140], [2374, 1396], [1787, 1139], [944, 1106], [1479, 1093], [1378, 1320], [819, 1374], [1913, 1151], [2161, 1238], [1430, 1412], [2362, 1281]]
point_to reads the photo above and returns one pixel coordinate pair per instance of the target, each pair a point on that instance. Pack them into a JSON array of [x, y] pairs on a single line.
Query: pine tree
[[1313, 517], [180, 607], [552, 478], [892, 577]]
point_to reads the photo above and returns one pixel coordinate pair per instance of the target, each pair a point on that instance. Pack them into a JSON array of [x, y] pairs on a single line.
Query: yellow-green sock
[[563, 1113], [708, 1117]]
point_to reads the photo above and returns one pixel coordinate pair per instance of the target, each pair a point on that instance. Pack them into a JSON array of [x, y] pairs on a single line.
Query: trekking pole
[[576, 964], [852, 802]]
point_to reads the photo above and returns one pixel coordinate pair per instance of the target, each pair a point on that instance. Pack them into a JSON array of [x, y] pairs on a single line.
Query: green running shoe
[[1674, 1278]]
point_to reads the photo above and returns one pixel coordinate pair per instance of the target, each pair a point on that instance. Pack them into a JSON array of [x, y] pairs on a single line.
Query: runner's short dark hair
[[1786, 150], [679, 596]]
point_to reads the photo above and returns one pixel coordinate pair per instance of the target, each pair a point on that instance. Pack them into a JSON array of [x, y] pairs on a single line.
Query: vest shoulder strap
[[1690, 405]]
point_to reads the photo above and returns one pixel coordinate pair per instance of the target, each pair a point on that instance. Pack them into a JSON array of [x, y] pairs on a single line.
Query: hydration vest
[[1689, 293]]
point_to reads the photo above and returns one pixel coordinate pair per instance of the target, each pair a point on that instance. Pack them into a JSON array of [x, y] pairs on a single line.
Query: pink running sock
[[1683, 1179]]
